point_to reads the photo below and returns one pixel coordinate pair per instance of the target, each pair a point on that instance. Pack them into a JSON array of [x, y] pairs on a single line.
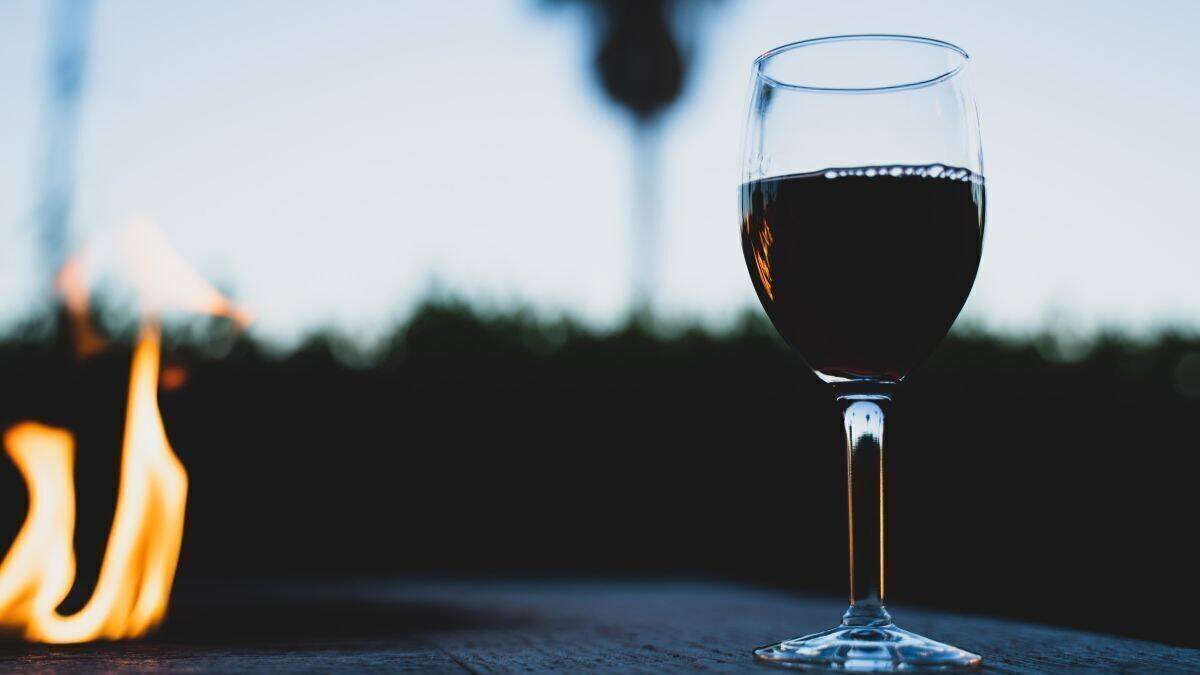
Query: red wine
[[864, 270]]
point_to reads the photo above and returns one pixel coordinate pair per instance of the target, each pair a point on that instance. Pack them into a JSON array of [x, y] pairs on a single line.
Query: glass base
[[866, 649]]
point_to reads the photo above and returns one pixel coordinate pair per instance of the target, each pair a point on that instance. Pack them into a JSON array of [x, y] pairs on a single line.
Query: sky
[[331, 163]]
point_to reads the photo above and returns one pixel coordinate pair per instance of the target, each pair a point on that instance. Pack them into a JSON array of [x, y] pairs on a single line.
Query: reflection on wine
[[863, 270]]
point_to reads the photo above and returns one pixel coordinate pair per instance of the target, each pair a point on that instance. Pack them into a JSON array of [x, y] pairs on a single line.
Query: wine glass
[[862, 207]]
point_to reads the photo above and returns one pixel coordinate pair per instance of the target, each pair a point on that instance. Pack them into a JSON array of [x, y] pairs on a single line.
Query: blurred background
[[502, 324]]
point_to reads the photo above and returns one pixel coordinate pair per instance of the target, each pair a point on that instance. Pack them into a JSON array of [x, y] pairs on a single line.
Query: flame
[[162, 278], [72, 285], [158, 275], [138, 569], [173, 377], [143, 548]]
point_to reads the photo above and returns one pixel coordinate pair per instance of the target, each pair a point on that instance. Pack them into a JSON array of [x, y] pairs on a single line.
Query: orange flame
[[163, 279], [138, 569], [143, 548], [73, 288]]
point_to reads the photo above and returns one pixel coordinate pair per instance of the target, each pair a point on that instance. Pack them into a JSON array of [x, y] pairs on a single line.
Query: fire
[[72, 286], [138, 568], [143, 548], [163, 279]]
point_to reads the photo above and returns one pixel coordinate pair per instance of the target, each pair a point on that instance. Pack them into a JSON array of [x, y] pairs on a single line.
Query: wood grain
[[576, 627]]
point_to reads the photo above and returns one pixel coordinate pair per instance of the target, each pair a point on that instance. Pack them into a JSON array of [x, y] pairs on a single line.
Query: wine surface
[[863, 270]]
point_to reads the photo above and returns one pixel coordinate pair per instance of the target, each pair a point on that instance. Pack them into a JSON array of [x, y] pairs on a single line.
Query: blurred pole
[[66, 63], [643, 50], [647, 226]]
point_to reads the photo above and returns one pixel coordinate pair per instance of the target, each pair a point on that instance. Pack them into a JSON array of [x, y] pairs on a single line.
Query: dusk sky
[[327, 162]]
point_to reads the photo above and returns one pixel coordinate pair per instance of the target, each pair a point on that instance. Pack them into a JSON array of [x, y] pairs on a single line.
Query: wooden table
[[546, 626]]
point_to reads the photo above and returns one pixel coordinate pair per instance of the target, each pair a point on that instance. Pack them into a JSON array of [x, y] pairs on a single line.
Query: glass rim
[[763, 58]]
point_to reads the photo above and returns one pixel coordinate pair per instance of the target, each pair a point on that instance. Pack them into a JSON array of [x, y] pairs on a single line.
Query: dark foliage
[[1048, 490]]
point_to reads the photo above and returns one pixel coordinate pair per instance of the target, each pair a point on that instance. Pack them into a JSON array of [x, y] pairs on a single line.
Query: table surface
[[555, 626]]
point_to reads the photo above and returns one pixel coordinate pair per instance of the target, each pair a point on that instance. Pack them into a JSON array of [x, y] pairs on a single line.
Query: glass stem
[[863, 417]]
